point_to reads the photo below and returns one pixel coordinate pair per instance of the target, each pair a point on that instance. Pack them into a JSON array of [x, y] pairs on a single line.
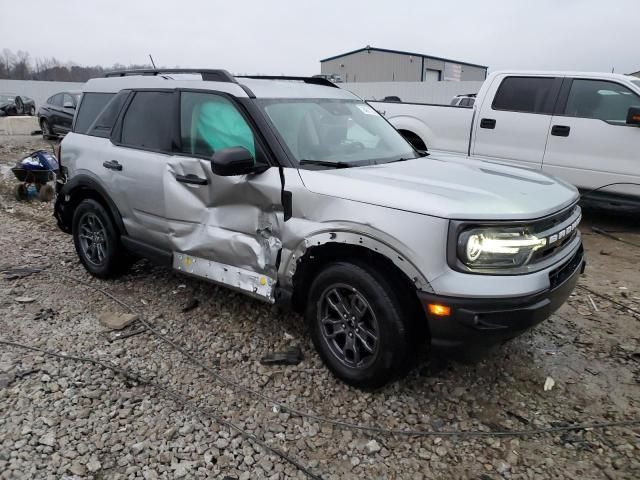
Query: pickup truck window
[[345, 132], [526, 95], [601, 100]]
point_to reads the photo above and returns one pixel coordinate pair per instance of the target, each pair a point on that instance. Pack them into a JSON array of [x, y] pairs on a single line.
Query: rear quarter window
[[107, 118], [90, 107], [526, 95]]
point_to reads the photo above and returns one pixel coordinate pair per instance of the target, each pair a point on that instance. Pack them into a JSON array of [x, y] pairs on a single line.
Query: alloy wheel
[[93, 238], [348, 325]]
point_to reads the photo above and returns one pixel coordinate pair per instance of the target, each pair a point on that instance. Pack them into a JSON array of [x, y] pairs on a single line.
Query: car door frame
[[259, 274], [502, 154], [559, 114], [66, 117]]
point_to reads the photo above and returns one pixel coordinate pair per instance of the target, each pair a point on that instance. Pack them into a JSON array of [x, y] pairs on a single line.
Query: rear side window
[[526, 94], [56, 100], [149, 120], [90, 107], [106, 120]]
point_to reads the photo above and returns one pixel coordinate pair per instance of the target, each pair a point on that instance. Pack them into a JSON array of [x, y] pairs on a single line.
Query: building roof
[[402, 53]]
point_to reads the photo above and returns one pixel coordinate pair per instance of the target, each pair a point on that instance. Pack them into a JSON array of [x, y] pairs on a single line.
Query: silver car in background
[[294, 191]]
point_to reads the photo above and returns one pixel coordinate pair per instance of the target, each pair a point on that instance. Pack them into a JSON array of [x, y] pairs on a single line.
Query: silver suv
[[294, 191]]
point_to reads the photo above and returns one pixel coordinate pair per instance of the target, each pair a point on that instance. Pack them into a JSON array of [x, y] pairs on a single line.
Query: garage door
[[432, 75]]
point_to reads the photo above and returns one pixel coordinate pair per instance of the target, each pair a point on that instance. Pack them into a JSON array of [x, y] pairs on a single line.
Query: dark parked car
[[12, 104], [56, 115]]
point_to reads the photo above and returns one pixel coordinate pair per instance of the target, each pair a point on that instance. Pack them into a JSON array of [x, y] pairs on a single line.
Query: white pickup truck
[[581, 127]]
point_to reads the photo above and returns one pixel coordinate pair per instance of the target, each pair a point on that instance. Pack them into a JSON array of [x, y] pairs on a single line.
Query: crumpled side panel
[[232, 220]]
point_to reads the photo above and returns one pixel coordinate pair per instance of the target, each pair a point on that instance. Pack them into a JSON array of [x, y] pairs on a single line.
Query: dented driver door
[[224, 229]]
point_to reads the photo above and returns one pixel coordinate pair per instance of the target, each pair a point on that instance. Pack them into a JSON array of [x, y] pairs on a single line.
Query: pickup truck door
[[590, 144], [513, 121]]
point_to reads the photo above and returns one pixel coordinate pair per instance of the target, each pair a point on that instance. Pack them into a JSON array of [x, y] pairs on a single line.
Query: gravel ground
[[66, 419]]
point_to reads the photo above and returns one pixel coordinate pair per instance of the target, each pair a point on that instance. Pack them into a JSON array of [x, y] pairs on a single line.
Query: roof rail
[[312, 80], [216, 75]]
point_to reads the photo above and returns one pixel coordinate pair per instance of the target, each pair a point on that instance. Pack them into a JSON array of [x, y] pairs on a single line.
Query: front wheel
[[359, 326], [46, 129], [96, 240]]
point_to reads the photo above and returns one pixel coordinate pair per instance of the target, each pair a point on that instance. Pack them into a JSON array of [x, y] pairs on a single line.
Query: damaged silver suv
[[294, 191]]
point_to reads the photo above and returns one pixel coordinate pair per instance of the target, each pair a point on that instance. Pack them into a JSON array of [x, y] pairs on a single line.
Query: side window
[[67, 101], [525, 94], [57, 100], [600, 100], [149, 120], [210, 122], [90, 106], [107, 118]]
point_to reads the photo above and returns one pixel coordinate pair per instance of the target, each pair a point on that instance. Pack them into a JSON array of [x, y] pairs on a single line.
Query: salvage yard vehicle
[[294, 191], [12, 104], [56, 115], [581, 127]]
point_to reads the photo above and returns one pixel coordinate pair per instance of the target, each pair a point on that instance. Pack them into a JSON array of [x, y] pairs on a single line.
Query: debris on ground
[[10, 273], [292, 356], [191, 304], [117, 321], [548, 384]]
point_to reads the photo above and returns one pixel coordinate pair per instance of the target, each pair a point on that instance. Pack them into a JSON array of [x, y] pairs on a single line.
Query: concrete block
[[21, 125]]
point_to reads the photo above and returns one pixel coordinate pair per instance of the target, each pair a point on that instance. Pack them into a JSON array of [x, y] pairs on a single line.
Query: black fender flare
[[77, 189]]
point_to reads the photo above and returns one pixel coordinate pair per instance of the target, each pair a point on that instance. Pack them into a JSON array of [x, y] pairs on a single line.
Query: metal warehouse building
[[370, 64]]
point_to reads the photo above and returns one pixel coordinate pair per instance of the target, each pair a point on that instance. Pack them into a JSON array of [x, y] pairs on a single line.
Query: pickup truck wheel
[[96, 240], [358, 325]]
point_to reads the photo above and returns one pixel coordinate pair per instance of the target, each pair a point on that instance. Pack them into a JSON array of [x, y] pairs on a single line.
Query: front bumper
[[482, 322]]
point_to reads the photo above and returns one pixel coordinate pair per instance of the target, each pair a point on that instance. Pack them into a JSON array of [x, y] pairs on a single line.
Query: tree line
[[20, 66]]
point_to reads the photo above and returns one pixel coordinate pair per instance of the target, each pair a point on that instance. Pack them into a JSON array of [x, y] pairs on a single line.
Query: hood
[[448, 186]]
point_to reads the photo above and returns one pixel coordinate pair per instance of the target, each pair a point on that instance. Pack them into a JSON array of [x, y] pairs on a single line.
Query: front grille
[[560, 274], [550, 225]]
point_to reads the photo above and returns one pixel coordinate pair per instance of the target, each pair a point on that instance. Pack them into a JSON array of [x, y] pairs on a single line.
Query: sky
[[290, 37]]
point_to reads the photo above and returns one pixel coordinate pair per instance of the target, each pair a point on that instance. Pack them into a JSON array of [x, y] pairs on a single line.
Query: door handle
[[560, 130], [192, 179], [489, 123], [112, 165]]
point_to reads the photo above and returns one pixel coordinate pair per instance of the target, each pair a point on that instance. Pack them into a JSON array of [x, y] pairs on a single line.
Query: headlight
[[497, 247]]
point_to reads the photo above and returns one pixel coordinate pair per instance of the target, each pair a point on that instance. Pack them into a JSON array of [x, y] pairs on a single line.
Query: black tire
[[32, 111], [19, 106], [337, 338], [46, 193], [97, 241], [46, 129], [21, 193]]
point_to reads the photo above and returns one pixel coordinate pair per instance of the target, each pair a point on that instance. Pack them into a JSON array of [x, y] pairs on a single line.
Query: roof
[[402, 53], [565, 73], [261, 88]]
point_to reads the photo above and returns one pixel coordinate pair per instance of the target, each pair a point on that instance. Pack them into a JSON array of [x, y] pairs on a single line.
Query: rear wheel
[[46, 129], [96, 240], [359, 326]]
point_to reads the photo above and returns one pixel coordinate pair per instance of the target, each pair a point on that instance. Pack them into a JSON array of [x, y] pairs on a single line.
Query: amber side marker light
[[439, 310]]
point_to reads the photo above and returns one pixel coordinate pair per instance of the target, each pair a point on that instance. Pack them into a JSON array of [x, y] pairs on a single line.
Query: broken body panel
[[232, 230]]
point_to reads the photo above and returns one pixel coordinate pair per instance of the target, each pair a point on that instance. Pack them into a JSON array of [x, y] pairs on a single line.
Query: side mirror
[[633, 116], [234, 161], [69, 105]]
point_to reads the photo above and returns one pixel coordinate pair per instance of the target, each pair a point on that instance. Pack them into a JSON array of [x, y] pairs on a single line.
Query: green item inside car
[[218, 124]]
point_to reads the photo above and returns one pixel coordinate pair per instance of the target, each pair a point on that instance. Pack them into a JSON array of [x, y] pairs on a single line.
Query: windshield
[[6, 98], [340, 133]]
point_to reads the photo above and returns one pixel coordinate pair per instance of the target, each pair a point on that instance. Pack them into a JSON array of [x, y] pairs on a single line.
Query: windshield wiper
[[422, 153], [326, 163]]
